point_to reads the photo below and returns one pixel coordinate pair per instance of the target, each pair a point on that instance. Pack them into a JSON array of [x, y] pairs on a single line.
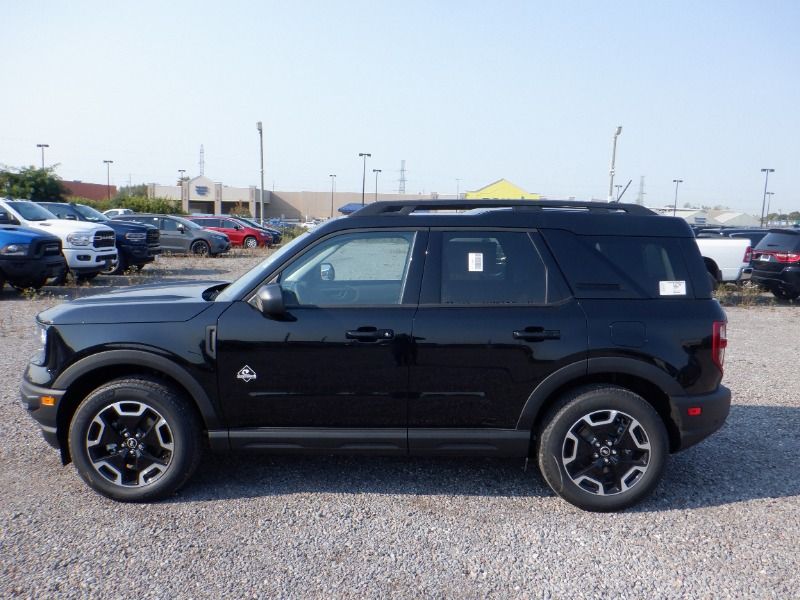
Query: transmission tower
[[202, 163], [402, 188], [640, 196]]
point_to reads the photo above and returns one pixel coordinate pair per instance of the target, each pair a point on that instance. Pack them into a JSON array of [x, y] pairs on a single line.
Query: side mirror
[[327, 272], [181, 228], [269, 300], [238, 227]]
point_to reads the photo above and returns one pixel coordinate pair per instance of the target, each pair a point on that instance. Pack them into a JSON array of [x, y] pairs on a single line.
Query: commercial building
[[90, 191]]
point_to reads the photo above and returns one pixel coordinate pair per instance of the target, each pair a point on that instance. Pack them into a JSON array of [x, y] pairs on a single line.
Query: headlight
[[79, 239], [15, 249], [136, 237], [41, 354], [221, 238]]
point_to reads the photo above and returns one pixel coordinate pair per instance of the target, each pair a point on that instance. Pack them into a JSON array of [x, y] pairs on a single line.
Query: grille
[[46, 249], [104, 239], [153, 236]]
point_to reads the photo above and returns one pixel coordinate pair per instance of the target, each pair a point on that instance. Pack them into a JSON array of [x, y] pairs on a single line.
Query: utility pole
[[261, 196], [180, 181], [333, 180], [613, 162], [764, 201], [108, 177], [769, 200], [619, 187], [364, 155], [376, 171], [458, 188], [42, 146], [677, 182]]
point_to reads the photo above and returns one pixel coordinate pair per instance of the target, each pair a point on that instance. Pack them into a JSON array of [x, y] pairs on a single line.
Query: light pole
[[43, 146], [180, 182], [613, 162], [333, 183], [677, 182], [619, 187], [769, 200], [108, 178], [364, 155], [764, 201], [376, 171], [458, 188], [261, 195]]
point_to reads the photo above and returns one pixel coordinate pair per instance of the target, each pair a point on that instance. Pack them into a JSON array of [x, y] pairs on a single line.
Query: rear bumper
[[714, 409], [787, 278]]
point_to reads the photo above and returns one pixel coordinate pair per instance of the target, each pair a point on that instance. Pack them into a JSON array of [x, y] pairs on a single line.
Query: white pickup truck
[[727, 259], [88, 248]]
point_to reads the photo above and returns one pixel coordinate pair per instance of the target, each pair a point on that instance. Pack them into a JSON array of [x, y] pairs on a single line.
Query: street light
[[613, 161], [108, 177], [261, 196], [769, 200], [365, 155], [42, 146], [180, 182], [619, 187], [376, 171], [458, 188], [333, 183], [764, 201], [677, 182]]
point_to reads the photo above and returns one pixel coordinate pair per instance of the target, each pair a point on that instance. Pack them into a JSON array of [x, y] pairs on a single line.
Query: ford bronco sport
[[583, 335]]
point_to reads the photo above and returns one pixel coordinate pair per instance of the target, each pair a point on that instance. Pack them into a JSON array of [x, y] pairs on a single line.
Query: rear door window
[[788, 241]]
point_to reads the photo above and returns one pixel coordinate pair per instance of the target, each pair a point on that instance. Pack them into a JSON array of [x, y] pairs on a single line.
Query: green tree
[[30, 183]]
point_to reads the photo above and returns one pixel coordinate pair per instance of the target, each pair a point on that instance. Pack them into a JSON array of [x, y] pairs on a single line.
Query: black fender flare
[[594, 366], [109, 358]]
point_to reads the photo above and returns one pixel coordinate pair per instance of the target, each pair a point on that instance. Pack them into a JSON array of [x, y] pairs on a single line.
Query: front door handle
[[369, 334], [537, 334]]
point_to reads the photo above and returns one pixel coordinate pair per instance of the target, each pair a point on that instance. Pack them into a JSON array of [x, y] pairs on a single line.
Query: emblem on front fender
[[246, 374]]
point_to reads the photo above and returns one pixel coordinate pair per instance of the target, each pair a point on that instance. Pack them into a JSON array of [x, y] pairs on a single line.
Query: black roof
[[588, 218]]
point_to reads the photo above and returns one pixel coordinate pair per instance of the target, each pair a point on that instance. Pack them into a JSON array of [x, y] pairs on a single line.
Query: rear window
[[788, 240], [621, 267]]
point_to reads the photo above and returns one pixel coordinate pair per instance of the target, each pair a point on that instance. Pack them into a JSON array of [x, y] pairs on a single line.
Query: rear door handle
[[369, 334], [537, 334]]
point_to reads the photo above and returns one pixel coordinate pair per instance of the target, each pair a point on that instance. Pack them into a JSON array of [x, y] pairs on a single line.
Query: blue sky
[[708, 92]]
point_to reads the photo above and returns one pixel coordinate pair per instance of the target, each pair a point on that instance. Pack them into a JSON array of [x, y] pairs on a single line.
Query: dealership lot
[[724, 522]]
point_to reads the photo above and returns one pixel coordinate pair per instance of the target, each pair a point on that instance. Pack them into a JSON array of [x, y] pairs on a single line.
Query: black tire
[[250, 242], [200, 248], [141, 420], [602, 448], [117, 268], [783, 294]]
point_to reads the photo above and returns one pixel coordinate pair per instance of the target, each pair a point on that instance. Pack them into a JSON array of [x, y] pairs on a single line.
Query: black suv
[[581, 334], [776, 263], [137, 245]]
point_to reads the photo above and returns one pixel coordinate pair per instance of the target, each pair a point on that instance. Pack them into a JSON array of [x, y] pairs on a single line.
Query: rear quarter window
[[621, 267]]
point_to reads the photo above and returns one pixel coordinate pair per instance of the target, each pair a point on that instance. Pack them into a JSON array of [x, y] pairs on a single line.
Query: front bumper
[[31, 270], [45, 416], [89, 260], [714, 409]]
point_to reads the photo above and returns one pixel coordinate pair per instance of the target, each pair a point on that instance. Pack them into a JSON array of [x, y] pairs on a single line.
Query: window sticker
[[672, 288], [475, 262]]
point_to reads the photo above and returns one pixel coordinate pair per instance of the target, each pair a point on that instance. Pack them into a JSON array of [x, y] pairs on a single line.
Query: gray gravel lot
[[725, 522]]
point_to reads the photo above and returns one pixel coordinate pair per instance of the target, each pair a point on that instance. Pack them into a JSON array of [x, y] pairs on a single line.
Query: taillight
[[748, 254], [719, 342], [787, 257]]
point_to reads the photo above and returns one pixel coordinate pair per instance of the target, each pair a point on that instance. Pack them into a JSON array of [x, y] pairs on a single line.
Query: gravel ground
[[724, 523]]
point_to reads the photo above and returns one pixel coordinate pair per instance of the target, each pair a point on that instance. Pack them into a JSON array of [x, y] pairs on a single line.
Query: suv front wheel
[[602, 448], [135, 440]]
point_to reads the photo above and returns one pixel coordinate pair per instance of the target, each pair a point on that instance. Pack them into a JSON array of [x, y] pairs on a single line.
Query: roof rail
[[406, 207]]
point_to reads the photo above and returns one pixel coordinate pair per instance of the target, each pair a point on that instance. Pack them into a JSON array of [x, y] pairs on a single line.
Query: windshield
[[254, 276], [30, 211], [90, 214]]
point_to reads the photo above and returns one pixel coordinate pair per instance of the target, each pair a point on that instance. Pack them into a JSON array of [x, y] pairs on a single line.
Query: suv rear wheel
[[135, 440], [602, 448]]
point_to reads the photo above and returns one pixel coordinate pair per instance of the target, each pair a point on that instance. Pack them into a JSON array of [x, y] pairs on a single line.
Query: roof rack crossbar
[[406, 207]]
